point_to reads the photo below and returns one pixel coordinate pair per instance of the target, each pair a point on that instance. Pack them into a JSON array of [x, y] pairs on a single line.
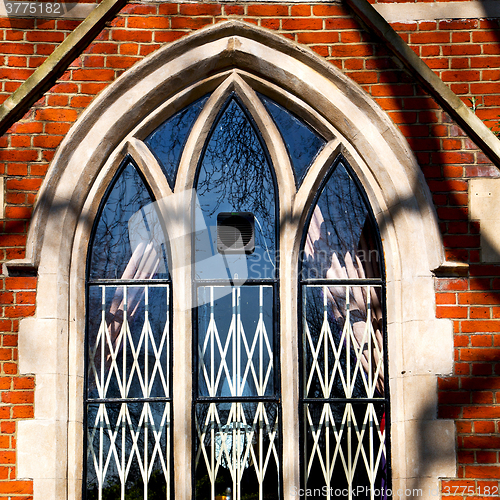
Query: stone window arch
[[235, 57]]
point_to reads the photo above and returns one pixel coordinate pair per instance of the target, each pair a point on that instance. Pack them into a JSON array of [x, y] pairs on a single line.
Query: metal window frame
[[340, 159], [274, 282], [118, 282]]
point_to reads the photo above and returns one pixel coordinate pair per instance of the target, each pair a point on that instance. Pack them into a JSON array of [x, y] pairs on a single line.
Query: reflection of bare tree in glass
[[302, 143], [234, 174], [167, 141]]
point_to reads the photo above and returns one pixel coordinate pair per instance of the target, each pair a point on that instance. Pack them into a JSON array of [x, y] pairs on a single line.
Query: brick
[[20, 283], [24, 383], [354, 50], [132, 36], [462, 24], [300, 10], [24, 411], [47, 141], [480, 313], [92, 75], [481, 442], [16, 48], [45, 36], [477, 326], [324, 10], [80, 101], [102, 48], [339, 23], [456, 397], [57, 114], [168, 36], [461, 241], [482, 471], [138, 9], [321, 37], [460, 76], [122, 62], [168, 9], [23, 184], [446, 298], [15, 73], [17, 487], [190, 22], [18, 397], [451, 312], [475, 298], [484, 88], [68, 24], [272, 24], [200, 10], [484, 427], [302, 24], [234, 10], [7, 457], [460, 50], [262, 10], [460, 37], [151, 23], [129, 49], [483, 397], [430, 38]]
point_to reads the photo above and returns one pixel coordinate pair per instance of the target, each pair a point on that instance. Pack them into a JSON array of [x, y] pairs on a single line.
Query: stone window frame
[[51, 343]]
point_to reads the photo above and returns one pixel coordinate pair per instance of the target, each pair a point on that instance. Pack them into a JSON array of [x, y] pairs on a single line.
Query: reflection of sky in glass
[[340, 232], [111, 247], [301, 142], [235, 176], [168, 140]]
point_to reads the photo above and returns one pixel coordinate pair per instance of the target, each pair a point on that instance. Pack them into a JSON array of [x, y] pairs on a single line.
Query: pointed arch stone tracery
[[233, 57]]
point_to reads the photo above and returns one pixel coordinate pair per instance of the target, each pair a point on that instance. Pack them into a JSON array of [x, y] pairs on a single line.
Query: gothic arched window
[[231, 337]]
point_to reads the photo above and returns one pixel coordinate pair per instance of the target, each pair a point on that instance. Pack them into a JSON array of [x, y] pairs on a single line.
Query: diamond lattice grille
[[235, 341], [238, 448], [128, 364], [344, 445], [237, 439], [127, 450]]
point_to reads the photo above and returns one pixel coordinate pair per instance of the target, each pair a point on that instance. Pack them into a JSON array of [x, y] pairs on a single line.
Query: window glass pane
[[168, 140], [235, 176], [128, 451], [343, 345], [345, 452], [302, 143], [128, 342], [237, 451], [235, 341], [129, 240], [341, 239]]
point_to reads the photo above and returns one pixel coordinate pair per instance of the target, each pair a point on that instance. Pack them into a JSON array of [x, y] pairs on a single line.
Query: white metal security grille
[[128, 412], [344, 445], [236, 361]]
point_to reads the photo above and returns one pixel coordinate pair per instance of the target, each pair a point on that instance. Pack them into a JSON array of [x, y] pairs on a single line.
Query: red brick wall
[[465, 54]]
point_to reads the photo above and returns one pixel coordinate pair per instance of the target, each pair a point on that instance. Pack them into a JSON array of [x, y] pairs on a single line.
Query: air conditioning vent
[[235, 232]]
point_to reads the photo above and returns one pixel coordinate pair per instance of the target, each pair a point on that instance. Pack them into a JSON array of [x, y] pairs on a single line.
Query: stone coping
[[405, 12]]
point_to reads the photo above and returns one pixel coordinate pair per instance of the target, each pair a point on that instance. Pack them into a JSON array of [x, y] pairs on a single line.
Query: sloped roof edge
[[444, 96], [17, 104]]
